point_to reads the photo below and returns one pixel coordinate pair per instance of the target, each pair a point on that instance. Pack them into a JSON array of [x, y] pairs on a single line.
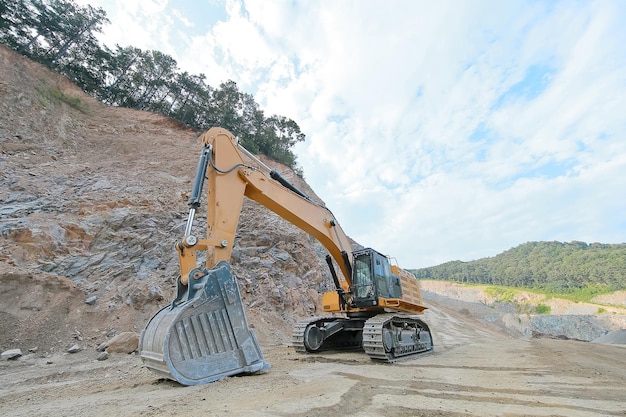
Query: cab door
[[363, 281]]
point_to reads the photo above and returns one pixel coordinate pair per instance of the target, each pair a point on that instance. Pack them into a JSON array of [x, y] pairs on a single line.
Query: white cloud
[[421, 137], [186, 22]]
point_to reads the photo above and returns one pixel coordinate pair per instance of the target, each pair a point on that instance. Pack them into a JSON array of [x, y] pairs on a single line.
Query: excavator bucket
[[203, 335]]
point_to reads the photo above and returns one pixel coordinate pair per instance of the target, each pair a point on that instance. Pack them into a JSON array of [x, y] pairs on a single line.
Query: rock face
[[579, 327], [568, 319], [94, 199]]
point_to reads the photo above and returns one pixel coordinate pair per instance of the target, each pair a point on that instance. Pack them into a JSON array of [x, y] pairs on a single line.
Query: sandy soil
[[475, 370]]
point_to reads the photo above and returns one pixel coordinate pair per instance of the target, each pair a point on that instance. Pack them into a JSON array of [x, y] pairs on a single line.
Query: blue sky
[[436, 131]]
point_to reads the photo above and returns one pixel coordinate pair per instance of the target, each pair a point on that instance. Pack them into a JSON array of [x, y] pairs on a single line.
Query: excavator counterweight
[[203, 335]]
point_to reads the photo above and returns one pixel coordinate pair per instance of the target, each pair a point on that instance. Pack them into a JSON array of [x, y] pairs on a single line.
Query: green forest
[[555, 267], [62, 35]]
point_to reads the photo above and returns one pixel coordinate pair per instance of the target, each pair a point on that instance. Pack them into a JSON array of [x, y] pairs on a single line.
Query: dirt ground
[[474, 370]]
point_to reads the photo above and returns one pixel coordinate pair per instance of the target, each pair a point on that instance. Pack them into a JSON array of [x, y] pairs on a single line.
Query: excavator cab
[[372, 278]]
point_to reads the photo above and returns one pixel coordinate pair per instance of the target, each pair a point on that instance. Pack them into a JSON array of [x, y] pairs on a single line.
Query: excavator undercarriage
[[384, 337]]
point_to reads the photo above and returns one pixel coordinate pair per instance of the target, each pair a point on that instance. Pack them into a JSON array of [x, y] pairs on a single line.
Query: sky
[[435, 131]]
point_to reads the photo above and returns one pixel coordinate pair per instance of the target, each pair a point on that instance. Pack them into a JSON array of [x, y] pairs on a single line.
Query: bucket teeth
[[203, 336]]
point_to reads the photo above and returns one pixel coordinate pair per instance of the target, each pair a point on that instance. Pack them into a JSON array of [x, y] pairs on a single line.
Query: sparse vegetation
[[49, 94], [501, 294], [542, 309], [582, 295]]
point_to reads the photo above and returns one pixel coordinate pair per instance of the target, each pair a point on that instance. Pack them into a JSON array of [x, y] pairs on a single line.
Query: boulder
[[126, 342], [74, 349], [11, 354]]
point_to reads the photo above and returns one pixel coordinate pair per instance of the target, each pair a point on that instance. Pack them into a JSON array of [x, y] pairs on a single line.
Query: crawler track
[[387, 337], [348, 338], [297, 337]]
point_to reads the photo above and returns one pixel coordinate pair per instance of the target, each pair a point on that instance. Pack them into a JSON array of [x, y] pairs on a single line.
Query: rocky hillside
[[93, 199], [523, 313]]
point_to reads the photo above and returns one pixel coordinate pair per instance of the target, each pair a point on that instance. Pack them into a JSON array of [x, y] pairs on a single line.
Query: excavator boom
[[233, 173]]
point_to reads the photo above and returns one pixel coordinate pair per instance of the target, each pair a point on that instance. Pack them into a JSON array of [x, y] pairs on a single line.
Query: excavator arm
[[204, 335], [232, 173]]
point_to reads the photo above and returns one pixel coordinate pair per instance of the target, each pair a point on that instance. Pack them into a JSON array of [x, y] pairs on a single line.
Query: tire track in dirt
[[370, 393], [474, 370], [330, 384]]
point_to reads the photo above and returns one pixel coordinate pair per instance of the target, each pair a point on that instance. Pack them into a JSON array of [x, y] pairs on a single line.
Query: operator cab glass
[[364, 291], [372, 278]]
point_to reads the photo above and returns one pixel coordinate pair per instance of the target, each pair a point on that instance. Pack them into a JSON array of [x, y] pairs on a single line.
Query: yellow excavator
[[203, 335]]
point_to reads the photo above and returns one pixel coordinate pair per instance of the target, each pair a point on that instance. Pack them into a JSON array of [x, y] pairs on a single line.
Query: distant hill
[[551, 266]]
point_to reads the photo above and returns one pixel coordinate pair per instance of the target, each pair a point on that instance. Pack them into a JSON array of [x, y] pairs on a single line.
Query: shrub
[[542, 309], [501, 294]]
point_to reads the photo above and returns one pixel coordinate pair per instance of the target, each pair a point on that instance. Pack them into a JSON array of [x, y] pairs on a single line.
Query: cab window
[[381, 270], [364, 284]]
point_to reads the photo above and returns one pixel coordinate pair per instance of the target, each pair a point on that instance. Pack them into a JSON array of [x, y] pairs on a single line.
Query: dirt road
[[475, 370]]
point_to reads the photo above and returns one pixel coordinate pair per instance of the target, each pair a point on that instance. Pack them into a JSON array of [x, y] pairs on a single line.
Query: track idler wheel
[[313, 338]]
